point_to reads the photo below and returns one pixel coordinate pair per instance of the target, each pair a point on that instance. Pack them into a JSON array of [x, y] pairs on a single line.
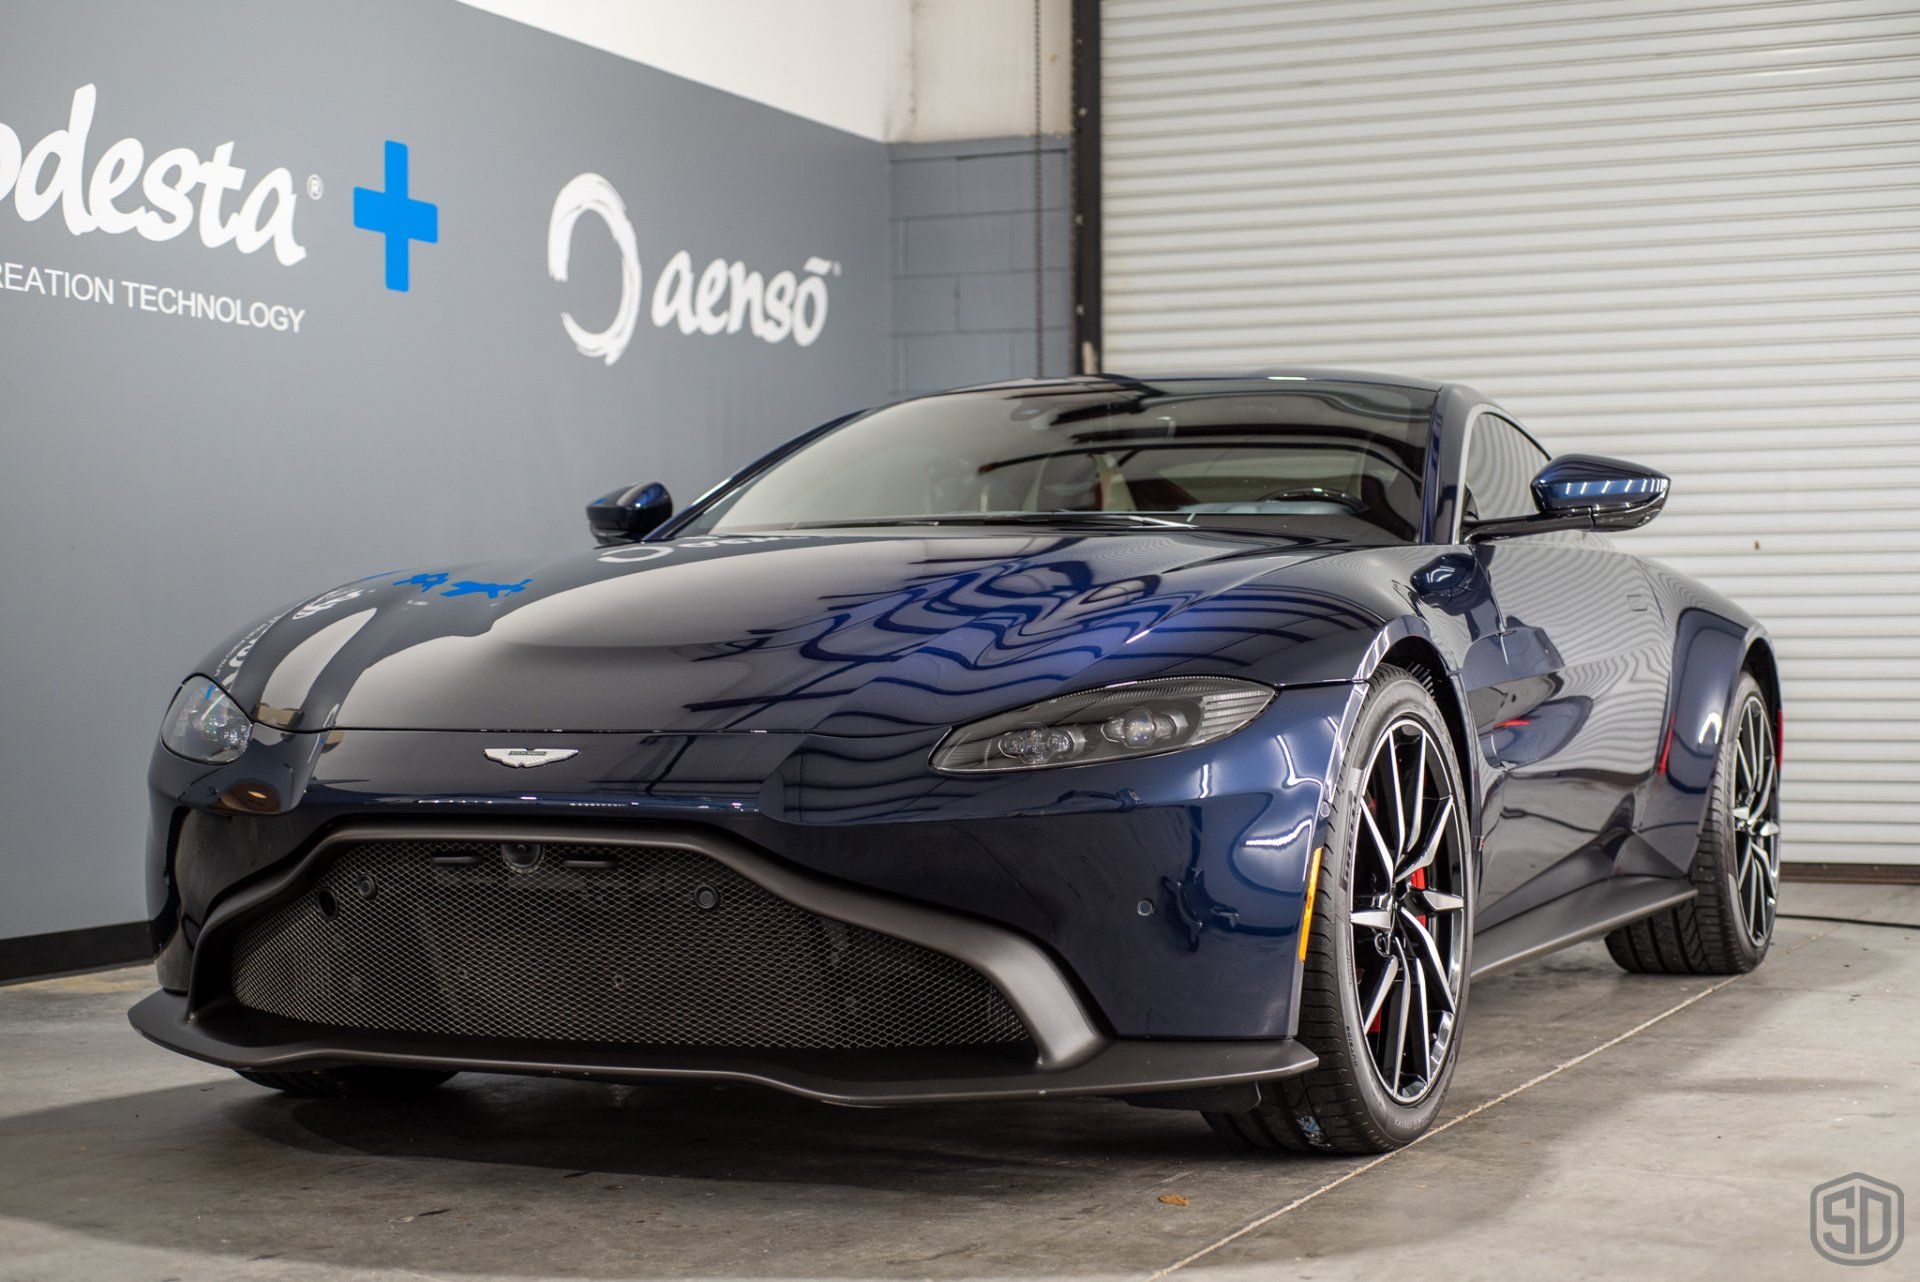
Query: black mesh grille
[[638, 945]]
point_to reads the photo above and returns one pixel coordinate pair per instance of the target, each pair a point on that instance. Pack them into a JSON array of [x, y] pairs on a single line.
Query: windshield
[[1296, 455]]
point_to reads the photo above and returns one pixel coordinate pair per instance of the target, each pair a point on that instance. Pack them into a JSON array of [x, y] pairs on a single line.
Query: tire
[[1347, 1104], [1727, 927], [356, 1081]]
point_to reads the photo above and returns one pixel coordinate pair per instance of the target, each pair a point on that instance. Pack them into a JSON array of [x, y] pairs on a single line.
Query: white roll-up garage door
[[1675, 230]]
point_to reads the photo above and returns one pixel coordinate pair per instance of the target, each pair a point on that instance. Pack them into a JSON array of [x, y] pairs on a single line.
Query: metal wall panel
[[1684, 233]]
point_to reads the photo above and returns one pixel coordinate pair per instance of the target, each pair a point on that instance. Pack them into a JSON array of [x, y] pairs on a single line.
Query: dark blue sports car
[[1191, 740]]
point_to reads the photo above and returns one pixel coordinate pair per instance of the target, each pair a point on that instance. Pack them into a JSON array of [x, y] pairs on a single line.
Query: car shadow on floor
[[736, 1133], [527, 1177]]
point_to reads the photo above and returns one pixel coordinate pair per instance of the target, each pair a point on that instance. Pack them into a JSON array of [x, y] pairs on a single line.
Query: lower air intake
[[645, 946]]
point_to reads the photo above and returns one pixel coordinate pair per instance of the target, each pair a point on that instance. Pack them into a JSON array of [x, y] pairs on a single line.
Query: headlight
[[1140, 719], [204, 724]]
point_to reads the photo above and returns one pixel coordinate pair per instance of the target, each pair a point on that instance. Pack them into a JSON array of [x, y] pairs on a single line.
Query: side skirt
[[1584, 914]]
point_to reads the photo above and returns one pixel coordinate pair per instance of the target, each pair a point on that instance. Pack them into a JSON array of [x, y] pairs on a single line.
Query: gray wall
[[963, 229], [165, 479]]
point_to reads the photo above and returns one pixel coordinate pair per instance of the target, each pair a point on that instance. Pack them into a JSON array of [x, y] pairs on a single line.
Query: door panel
[[1574, 731]]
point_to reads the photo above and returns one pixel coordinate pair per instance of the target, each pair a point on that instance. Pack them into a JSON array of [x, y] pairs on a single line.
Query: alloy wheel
[[1756, 820], [1408, 910]]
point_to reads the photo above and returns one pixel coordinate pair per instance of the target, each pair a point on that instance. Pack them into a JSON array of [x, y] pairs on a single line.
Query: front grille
[[645, 946]]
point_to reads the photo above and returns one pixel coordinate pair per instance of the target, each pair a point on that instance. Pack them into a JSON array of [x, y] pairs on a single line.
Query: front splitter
[[233, 1037]]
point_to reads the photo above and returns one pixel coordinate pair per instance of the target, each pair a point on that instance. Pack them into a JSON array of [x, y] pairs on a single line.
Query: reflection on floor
[[1686, 1149]]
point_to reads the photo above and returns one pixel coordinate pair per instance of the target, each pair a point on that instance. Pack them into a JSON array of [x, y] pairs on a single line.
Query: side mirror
[[1585, 492], [629, 515], [1617, 494]]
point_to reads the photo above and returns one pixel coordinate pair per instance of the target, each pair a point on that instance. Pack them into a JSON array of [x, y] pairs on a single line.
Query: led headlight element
[[1139, 719], [204, 724]]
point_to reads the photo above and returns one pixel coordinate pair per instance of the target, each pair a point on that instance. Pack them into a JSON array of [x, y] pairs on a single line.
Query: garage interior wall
[[950, 84], [844, 63], [965, 309], [168, 476], [228, 471], [903, 71], [1679, 235]]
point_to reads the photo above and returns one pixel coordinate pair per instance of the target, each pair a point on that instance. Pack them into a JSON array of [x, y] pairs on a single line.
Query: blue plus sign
[[396, 216]]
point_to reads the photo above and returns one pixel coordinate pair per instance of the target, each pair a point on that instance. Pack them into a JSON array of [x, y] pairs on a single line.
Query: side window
[[1501, 462]]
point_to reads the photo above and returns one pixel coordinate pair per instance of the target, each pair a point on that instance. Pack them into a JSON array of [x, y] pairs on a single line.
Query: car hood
[[844, 634]]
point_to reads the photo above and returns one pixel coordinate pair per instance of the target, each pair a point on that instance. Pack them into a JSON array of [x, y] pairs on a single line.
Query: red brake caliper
[[1419, 882]]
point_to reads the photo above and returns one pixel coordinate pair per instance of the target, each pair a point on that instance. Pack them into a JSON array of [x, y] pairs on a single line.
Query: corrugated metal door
[[1685, 234]]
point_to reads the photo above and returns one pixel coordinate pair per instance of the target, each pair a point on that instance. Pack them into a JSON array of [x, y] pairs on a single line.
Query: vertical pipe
[[1086, 335], [1039, 209]]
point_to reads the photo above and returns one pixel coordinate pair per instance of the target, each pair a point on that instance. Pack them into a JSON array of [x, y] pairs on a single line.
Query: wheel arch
[[1714, 644], [1411, 648], [1421, 657], [1765, 667]]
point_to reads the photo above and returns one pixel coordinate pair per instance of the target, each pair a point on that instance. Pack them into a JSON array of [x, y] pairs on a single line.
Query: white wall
[[840, 62], [898, 70], [972, 69]]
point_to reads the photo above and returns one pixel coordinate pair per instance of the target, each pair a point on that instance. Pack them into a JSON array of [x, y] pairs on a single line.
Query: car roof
[[1277, 372]]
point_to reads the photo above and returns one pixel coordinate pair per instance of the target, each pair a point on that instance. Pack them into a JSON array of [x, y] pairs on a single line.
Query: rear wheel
[[1385, 978], [1727, 927], [356, 1081]]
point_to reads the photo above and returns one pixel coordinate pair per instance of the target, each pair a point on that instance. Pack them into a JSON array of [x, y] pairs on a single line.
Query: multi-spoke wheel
[[1387, 958], [1726, 928], [1407, 909], [1756, 827]]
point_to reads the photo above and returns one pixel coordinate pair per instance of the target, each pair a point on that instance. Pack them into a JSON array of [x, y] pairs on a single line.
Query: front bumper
[[1069, 1053], [1169, 890]]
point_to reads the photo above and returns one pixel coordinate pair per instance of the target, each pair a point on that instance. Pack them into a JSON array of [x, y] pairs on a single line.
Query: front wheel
[[1384, 984]]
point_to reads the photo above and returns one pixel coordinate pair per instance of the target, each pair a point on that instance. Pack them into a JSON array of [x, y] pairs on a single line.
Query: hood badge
[[523, 757]]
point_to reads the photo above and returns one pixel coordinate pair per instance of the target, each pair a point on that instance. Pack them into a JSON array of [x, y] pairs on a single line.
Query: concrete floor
[[1601, 1124]]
